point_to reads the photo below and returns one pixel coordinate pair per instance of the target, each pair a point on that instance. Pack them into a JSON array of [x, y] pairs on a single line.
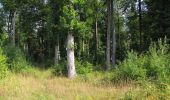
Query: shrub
[[153, 65], [60, 69], [81, 68], [84, 67], [132, 67], [158, 65], [16, 59], [3, 65], [3, 38]]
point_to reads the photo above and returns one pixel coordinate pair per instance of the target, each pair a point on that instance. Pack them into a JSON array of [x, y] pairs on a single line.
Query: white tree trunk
[[70, 56], [57, 54]]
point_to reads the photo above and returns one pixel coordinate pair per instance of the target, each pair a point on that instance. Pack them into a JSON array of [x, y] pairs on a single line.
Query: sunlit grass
[[43, 86]]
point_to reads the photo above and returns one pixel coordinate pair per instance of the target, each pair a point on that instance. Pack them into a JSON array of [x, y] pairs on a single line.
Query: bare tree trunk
[[113, 36], [97, 39], [70, 56], [13, 28], [10, 26], [140, 22], [108, 37], [57, 52]]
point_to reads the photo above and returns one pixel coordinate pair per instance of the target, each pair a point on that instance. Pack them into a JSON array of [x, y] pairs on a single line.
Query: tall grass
[[29, 87]]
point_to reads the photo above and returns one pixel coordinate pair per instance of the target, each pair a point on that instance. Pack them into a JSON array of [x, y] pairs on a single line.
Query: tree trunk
[[70, 56], [108, 37], [113, 36], [13, 28], [97, 40], [118, 31], [140, 22], [57, 52]]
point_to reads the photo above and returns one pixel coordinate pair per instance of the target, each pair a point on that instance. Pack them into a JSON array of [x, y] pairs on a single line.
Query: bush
[[60, 69], [3, 38], [3, 65], [81, 68], [153, 65], [16, 59], [84, 67], [132, 68], [158, 65]]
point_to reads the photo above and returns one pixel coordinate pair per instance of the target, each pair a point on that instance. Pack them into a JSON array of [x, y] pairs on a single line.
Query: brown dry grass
[[29, 87]]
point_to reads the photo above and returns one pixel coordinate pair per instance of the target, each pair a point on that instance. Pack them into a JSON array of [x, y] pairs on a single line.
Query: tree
[[68, 21], [113, 36], [11, 8], [108, 34]]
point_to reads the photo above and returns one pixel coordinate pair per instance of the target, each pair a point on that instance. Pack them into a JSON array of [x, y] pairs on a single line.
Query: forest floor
[[44, 86]]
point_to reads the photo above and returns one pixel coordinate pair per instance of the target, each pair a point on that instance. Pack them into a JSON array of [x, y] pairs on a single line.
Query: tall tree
[[69, 21], [108, 35], [140, 21], [11, 8], [113, 35]]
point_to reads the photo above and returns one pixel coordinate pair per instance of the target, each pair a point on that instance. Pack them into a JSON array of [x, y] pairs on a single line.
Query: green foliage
[[16, 59], [132, 67], [158, 61], [3, 65], [153, 65], [3, 39], [148, 91], [83, 67], [60, 69]]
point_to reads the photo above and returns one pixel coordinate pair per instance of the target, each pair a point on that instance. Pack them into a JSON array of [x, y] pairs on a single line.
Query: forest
[[84, 49]]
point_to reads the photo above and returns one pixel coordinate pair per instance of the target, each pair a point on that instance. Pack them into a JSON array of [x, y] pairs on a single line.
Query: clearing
[[43, 86]]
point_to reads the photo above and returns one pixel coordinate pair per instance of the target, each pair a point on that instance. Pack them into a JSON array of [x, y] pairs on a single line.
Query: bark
[[13, 28], [108, 37], [97, 38], [70, 56], [140, 22], [57, 52], [118, 31], [56, 58], [113, 36]]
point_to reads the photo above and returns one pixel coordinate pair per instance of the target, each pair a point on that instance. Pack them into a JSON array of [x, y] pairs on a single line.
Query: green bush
[[16, 59], [132, 68], [81, 68], [3, 65], [84, 67], [158, 65], [3, 38], [153, 65], [60, 69]]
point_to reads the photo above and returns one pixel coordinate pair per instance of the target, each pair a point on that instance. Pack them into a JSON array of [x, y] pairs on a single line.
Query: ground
[[43, 86]]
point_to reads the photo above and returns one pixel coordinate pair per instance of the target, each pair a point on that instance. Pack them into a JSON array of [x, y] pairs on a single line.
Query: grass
[[38, 84], [41, 85]]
